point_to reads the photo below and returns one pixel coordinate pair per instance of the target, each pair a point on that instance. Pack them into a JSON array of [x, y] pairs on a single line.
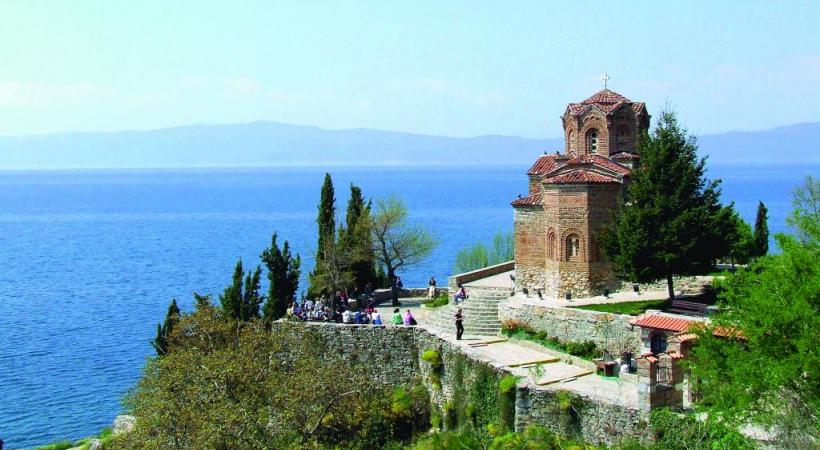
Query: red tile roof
[[605, 100], [530, 200], [546, 163], [582, 177], [599, 161], [665, 322]]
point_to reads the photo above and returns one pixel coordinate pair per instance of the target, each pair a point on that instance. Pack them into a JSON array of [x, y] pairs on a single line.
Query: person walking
[[459, 324]]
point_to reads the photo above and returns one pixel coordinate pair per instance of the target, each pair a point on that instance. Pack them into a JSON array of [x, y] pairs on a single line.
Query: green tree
[[241, 299], [672, 221], [326, 221], [761, 233], [397, 243], [758, 359], [354, 239], [283, 279], [742, 241], [164, 330], [479, 256]]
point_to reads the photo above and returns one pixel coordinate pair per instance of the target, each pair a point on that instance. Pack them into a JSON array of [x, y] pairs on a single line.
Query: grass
[[628, 308], [584, 350], [105, 436], [441, 300]]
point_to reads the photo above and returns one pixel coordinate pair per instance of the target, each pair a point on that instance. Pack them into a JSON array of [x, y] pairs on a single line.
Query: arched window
[[592, 141], [622, 138], [573, 247], [551, 246], [657, 343]]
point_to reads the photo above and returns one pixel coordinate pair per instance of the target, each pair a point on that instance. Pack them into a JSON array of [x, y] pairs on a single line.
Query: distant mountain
[[276, 144]]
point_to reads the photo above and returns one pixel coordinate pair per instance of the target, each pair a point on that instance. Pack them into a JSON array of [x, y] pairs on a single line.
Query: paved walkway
[[501, 280], [544, 370]]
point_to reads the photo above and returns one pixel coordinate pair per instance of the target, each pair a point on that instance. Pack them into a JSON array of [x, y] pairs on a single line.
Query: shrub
[[432, 357], [508, 384], [62, 445], [441, 300], [402, 403]]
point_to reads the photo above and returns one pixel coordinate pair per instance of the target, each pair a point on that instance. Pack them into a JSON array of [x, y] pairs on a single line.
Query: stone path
[[543, 369]]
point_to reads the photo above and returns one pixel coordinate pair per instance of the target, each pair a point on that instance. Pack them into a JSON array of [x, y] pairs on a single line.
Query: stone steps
[[480, 315]]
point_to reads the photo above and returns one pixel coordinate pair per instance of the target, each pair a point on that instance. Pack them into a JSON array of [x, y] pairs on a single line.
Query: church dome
[[606, 97]]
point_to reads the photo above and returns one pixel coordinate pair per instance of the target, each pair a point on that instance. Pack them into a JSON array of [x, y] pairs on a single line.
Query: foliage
[[479, 255], [761, 233], [397, 244], [765, 370], [518, 330], [685, 432], [672, 223], [225, 386], [354, 239], [508, 384], [326, 222], [506, 402], [241, 299], [741, 239], [441, 300], [164, 330], [628, 308], [534, 437], [62, 445], [432, 357], [283, 279]]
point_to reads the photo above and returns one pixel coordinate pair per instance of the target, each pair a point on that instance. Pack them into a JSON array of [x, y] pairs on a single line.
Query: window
[[592, 141], [573, 247], [551, 246], [621, 139], [657, 343]]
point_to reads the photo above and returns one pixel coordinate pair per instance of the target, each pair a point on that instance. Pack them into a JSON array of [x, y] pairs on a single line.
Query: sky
[[453, 68]]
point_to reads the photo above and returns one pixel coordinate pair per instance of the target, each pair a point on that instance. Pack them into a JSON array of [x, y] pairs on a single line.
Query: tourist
[[347, 316], [409, 319], [368, 290], [376, 317], [431, 288], [308, 305], [359, 317], [396, 319], [297, 312], [289, 312], [459, 324], [461, 294], [399, 284]]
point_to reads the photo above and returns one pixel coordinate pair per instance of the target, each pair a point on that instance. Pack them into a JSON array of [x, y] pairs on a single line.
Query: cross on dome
[[604, 78]]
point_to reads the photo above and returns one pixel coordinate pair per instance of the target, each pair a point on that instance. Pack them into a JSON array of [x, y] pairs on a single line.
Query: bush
[[432, 357], [521, 330], [685, 432], [508, 384], [441, 300], [62, 445]]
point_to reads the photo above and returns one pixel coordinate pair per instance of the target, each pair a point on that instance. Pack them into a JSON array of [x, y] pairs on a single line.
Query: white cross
[[604, 78]]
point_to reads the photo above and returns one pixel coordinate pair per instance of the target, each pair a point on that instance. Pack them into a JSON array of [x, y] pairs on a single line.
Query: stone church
[[573, 195]]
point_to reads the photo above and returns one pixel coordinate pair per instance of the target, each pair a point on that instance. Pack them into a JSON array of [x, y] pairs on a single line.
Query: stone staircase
[[480, 312]]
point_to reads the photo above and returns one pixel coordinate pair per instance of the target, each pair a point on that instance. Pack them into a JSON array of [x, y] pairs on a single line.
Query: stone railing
[[478, 274]]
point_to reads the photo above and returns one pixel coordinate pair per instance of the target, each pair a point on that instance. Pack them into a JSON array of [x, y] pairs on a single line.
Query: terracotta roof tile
[[605, 96], [546, 163], [530, 200], [605, 100], [581, 177], [600, 161], [665, 322]]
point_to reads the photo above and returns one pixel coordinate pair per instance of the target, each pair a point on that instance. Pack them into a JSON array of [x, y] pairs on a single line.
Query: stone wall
[[392, 356], [478, 274], [579, 417], [610, 331]]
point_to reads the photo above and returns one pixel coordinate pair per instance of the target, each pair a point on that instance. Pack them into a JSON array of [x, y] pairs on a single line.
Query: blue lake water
[[89, 261]]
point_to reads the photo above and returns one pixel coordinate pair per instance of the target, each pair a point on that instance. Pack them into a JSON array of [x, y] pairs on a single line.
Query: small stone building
[[573, 195]]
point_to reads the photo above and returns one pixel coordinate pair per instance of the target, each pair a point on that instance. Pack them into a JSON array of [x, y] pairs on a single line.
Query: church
[[573, 195]]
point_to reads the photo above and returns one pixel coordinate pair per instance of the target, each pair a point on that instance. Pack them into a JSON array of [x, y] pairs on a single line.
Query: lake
[[89, 261]]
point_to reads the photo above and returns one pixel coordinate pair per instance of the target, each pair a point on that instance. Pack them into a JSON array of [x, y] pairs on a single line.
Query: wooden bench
[[688, 308]]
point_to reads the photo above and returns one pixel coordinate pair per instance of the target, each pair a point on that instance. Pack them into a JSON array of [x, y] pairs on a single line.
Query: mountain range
[[267, 144]]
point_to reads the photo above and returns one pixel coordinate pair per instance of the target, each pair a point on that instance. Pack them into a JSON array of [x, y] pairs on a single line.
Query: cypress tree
[[672, 223], [251, 298], [283, 278], [326, 221], [160, 342], [355, 241], [761, 233], [231, 298]]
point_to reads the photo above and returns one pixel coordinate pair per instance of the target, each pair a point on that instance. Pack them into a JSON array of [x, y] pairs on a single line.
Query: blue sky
[[450, 68]]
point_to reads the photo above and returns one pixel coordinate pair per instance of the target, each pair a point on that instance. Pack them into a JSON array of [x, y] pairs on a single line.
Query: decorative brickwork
[[572, 199]]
